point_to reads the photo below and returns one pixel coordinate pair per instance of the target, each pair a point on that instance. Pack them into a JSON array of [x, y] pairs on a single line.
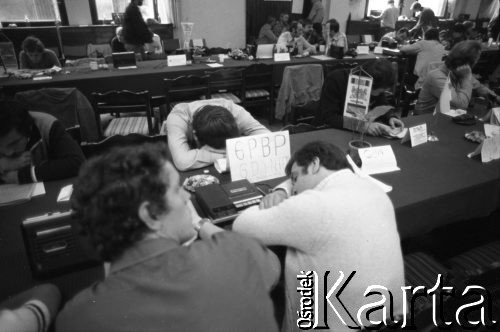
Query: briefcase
[[54, 244]]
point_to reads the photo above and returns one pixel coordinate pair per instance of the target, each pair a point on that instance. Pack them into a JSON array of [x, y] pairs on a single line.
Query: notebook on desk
[[265, 51], [124, 60]]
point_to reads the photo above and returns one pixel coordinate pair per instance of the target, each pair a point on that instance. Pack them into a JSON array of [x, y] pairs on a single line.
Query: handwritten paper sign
[[358, 96], [379, 159], [259, 157], [176, 60], [491, 130], [416, 135], [198, 42], [281, 56]]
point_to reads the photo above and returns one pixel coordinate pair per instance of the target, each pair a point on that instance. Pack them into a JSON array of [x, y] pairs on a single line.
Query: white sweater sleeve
[[291, 223]]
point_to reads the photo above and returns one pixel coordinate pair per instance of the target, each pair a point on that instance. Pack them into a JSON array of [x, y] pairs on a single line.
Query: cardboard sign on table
[[378, 159], [258, 157], [416, 135], [358, 92]]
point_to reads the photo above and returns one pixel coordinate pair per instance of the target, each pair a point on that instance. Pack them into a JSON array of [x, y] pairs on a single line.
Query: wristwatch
[[200, 224]]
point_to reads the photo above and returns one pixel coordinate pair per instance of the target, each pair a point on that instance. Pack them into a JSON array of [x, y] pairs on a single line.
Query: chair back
[[258, 75], [98, 50], [226, 80], [98, 148], [185, 88], [122, 101]]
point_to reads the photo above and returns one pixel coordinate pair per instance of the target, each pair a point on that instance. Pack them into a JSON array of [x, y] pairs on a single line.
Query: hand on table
[[396, 123], [16, 163], [378, 129], [273, 199]]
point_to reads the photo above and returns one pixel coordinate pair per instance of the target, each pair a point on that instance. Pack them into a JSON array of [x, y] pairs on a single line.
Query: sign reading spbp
[[260, 157]]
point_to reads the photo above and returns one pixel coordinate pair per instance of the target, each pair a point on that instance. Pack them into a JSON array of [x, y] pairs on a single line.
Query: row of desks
[[437, 185], [148, 76]]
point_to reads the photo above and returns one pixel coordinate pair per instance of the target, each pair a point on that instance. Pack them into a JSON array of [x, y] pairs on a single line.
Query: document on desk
[[215, 65], [321, 57], [378, 159], [386, 188], [65, 193], [11, 194]]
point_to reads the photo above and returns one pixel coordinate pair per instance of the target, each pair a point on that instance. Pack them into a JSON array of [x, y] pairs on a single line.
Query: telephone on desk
[[223, 202]]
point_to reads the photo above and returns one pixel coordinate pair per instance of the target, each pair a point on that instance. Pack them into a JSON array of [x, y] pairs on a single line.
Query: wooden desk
[[148, 76]]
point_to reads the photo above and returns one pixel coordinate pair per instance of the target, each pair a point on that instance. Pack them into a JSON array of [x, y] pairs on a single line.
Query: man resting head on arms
[[139, 218], [197, 131], [35, 147], [34, 55], [333, 96], [335, 221]]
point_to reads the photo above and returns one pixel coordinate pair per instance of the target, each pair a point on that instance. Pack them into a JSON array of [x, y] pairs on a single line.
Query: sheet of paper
[[378, 50], [363, 50], [491, 130], [386, 188], [65, 193], [42, 78], [176, 60], [490, 149], [215, 65], [455, 113], [15, 193], [39, 189], [321, 57], [281, 56], [378, 159], [198, 42]]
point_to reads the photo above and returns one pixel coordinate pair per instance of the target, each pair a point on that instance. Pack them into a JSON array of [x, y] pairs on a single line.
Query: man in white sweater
[[335, 221], [197, 131]]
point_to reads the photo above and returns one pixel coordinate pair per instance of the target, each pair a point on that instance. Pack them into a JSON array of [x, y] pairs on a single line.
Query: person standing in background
[[266, 34], [135, 31], [281, 25], [388, 18], [317, 15]]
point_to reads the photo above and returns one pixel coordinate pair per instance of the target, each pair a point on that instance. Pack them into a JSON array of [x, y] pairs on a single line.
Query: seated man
[[35, 147], [294, 38], [197, 131], [400, 37], [117, 42], [311, 35], [34, 55], [428, 50], [30, 311], [457, 67], [134, 210], [333, 97], [335, 221], [266, 34]]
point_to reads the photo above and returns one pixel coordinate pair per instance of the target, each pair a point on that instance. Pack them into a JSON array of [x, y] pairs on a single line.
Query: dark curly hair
[[213, 125], [32, 44], [382, 71], [14, 115], [109, 190], [329, 155]]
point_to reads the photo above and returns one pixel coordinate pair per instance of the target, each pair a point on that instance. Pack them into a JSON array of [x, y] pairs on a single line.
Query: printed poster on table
[[358, 96], [258, 157]]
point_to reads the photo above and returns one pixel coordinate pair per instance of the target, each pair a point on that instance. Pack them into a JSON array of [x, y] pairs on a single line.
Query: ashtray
[[200, 180]]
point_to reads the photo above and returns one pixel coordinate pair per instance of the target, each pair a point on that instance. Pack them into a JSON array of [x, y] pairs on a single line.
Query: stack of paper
[[15, 193]]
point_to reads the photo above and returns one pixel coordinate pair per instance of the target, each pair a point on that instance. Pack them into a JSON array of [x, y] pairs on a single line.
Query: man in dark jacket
[[333, 97], [135, 31], [35, 147]]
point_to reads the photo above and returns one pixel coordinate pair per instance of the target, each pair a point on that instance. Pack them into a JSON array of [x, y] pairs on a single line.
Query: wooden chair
[[186, 89], [258, 88], [98, 148], [136, 104], [226, 83]]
